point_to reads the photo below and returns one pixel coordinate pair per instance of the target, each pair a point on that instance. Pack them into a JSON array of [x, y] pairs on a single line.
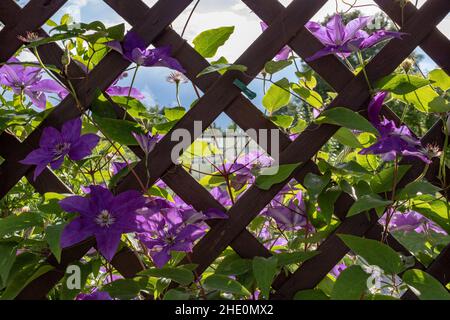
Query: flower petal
[[107, 243], [118, 91], [83, 147], [74, 233], [71, 130], [379, 36], [77, 204]]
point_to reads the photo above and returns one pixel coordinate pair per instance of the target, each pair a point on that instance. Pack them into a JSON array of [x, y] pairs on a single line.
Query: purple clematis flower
[[239, 174], [116, 167], [342, 39], [55, 145], [284, 53], [147, 141], [291, 217], [270, 241], [411, 221], [255, 160], [166, 233], [104, 216], [336, 271], [134, 49], [222, 196], [393, 141], [117, 91], [95, 295], [28, 80]]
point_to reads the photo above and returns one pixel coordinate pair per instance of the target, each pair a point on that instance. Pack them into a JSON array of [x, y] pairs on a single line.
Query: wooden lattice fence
[[286, 26]]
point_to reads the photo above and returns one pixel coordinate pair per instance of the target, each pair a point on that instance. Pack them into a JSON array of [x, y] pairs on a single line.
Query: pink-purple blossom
[[164, 233], [290, 217], [342, 39], [28, 80], [103, 216], [95, 295], [54, 145], [146, 141], [134, 49], [394, 140]]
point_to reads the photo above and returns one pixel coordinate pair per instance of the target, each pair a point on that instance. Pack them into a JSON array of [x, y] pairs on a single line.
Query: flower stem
[[363, 66]]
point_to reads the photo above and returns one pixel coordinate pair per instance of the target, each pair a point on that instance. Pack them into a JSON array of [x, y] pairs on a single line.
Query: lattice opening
[[22, 3], [210, 14], [13, 202]]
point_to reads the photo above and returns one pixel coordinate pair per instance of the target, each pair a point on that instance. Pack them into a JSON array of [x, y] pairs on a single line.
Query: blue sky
[[209, 14]]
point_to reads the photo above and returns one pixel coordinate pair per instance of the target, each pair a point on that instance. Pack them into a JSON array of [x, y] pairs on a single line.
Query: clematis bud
[[434, 151], [407, 64]]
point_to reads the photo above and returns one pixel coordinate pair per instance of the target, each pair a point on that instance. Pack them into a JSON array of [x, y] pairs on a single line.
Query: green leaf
[[326, 201], [277, 96], [383, 181], [233, 265], [425, 286], [440, 78], [178, 274], [116, 32], [264, 270], [312, 97], [218, 67], [274, 175], [316, 184], [283, 121], [374, 252], [416, 188], [117, 130], [53, 236], [14, 223], [272, 67], [347, 138], [208, 42], [299, 127], [22, 278], [311, 294], [351, 284], [174, 114], [346, 118], [401, 83], [7, 257], [287, 258], [435, 210], [439, 105], [351, 167], [125, 289], [307, 79], [225, 284], [419, 99], [176, 294], [367, 202]]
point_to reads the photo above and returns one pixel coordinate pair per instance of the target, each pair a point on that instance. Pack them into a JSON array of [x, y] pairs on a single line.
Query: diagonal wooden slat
[[31, 18]]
